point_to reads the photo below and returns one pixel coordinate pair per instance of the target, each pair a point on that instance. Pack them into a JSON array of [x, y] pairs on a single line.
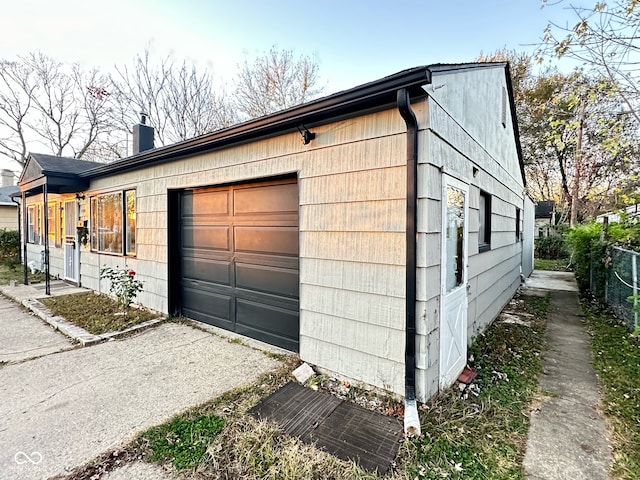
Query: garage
[[239, 265]]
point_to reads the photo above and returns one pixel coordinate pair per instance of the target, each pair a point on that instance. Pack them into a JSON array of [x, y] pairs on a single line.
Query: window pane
[[31, 222], [35, 224], [482, 221], [454, 254], [110, 223], [131, 222], [51, 223], [94, 223]]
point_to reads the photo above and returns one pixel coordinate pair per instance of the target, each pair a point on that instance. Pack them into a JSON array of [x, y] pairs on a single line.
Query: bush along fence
[[607, 270], [621, 284]]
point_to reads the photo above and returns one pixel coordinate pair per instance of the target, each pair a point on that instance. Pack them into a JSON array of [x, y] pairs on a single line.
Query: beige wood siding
[[352, 193], [8, 217]]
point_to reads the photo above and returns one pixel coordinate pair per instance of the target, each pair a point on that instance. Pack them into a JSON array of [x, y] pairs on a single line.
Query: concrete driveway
[[62, 409]]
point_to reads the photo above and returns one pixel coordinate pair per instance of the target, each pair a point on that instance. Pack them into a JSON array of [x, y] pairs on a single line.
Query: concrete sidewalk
[[64, 408], [567, 438], [25, 336]]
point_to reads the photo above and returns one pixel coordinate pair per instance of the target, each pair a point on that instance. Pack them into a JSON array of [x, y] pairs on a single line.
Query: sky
[[354, 42]]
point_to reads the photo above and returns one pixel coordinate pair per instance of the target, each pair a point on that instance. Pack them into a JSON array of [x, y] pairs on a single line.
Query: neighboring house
[[8, 208], [545, 218], [314, 228], [631, 211], [528, 240]]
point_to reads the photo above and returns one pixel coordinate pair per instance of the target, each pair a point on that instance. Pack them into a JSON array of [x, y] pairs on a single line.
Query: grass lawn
[[484, 437], [97, 314], [17, 273], [553, 265], [476, 437], [617, 360]]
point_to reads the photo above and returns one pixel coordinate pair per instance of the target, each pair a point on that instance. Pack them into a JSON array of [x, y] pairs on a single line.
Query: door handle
[[468, 289]]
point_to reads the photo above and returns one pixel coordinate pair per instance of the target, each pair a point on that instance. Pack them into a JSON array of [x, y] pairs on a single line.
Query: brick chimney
[[142, 135], [6, 177]]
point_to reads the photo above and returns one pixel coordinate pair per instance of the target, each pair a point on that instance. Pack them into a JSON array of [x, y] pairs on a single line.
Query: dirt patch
[[97, 313]]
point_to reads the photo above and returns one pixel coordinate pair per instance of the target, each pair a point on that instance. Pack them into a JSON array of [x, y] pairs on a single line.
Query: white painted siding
[[463, 136]]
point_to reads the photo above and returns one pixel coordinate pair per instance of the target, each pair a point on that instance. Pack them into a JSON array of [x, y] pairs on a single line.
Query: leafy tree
[[578, 149], [606, 40], [274, 81]]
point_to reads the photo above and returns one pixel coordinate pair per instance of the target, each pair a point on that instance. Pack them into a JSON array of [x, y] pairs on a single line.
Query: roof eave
[[379, 93]]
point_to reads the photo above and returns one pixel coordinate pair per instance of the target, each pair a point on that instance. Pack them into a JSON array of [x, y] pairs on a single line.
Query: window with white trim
[[34, 224]]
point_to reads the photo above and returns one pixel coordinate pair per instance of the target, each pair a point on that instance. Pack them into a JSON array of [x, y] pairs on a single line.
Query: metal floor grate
[[341, 428]]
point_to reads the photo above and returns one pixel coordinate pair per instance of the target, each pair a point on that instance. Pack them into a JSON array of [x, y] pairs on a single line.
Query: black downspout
[[25, 224], [411, 238]]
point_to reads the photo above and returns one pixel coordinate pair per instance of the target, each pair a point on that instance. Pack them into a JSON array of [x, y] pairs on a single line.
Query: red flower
[[131, 273]]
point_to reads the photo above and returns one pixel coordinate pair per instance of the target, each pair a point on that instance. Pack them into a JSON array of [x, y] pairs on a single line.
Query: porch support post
[[25, 229], [47, 282]]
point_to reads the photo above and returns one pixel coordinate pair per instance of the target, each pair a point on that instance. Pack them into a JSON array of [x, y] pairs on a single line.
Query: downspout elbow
[[411, 418]]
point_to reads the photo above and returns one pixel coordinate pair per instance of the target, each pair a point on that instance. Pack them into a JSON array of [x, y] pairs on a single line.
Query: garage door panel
[[215, 271], [277, 281], [266, 199], [204, 203], [239, 259], [214, 237], [268, 323], [292, 263], [209, 307], [274, 240]]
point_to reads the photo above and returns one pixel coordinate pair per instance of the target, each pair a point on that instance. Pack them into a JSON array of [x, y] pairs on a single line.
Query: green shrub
[[588, 255], [551, 247], [9, 247], [625, 233]]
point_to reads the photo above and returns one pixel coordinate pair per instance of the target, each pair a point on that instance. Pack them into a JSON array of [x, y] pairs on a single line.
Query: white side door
[[71, 252], [453, 296]]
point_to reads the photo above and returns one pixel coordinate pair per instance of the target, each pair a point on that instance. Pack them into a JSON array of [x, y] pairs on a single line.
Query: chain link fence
[[618, 284]]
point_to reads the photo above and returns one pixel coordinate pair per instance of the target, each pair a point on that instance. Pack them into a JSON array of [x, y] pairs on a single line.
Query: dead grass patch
[[96, 313], [478, 437]]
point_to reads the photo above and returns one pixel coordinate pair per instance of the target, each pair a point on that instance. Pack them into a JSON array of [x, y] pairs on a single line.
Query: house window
[[484, 222], [518, 229], [52, 224], [34, 224], [130, 222], [113, 223]]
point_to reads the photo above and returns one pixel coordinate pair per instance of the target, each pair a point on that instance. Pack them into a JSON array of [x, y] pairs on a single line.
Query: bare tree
[[180, 100], [17, 85], [274, 81], [60, 107], [85, 114]]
